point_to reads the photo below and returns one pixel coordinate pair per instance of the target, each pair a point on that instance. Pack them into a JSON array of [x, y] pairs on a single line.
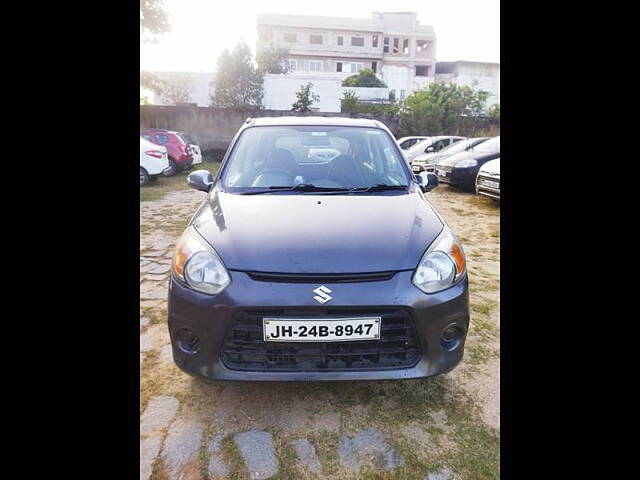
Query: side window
[[146, 137], [161, 138]]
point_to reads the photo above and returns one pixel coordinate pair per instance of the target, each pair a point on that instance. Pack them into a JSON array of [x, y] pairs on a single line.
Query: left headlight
[[467, 162], [198, 265], [442, 265]]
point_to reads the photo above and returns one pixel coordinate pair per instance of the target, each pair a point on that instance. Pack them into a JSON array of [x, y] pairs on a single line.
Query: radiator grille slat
[[245, 349]]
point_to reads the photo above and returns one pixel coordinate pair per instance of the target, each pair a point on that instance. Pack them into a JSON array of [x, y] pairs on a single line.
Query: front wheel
[[144, 177], [172, 169]]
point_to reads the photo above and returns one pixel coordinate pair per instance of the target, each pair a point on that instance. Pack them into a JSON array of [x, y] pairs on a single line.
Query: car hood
[[427, 157], [492, 167], [303, 233]]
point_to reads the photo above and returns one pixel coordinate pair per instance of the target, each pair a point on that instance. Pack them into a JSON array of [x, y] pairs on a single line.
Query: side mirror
[[200, 180], [430, 149], [427, 181]]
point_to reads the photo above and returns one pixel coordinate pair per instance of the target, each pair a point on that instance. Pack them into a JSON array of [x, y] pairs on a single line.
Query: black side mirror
[[200, 180], [430, 149], [427, 181]]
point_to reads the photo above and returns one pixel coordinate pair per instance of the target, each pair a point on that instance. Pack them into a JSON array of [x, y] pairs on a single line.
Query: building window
[[374, 67], [374, 41], [402, 93], [315, 39], [340, 40], [357, 41], [338, 66], [292, 64], [315, 66], [421, 70], [385, 48], [356, 67], [421, 47], [290, 37], [396, 45], [405, 46]]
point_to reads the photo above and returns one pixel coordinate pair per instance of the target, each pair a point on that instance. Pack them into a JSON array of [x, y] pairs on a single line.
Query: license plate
[[320, 330], [490, 183]]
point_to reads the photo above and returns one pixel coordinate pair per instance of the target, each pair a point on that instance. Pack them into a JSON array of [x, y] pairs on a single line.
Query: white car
[[488, 179], [196, 153], [407, 142], [153, 161], [425, 162], [431, 144]]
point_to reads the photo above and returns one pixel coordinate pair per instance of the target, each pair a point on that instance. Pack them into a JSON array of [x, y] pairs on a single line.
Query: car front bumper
[[458, 177], [211, 318], [489, 190]]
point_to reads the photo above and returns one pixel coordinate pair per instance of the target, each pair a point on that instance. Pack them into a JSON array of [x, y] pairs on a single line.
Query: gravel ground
[[446, 427]]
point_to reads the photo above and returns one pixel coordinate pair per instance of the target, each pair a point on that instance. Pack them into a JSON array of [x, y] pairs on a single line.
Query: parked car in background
[[258, 292], [430, 145], [193, 145], [153, 161], [180, 157], [460, 170], [408, 142], [427, 161], [488, 180]]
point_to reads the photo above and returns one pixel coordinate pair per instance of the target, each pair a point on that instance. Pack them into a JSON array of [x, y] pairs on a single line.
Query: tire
[[144, 177], [173, 167]]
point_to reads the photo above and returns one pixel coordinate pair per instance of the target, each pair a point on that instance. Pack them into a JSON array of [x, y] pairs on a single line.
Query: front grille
[[321, 277], [245, 349]]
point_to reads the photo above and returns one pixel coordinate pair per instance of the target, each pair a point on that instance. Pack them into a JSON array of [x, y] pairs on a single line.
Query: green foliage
[[349, 102], [494, 111], [305, 99], [273, 60], [153, 19], [440, 109], [364, 78], [238, 82]]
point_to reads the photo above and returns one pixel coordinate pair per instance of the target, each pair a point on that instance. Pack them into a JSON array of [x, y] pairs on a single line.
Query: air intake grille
[[245, 349]]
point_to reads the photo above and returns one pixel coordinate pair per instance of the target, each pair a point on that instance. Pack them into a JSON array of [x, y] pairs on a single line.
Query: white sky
[[201, 29]]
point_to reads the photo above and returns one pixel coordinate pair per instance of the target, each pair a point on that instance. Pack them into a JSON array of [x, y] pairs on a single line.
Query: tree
[[273, 60], [238, 82], [153, 19], [349, 102], [175, 91], [439, 109], [150, 81], [305, 99], [494, 111], [364, 78]]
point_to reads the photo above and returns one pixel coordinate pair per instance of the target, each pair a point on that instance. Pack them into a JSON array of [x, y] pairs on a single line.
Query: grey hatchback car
[[316, 255]]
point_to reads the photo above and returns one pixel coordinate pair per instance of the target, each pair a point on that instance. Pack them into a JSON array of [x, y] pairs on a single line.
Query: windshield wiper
[[379, 187], [301, 187]]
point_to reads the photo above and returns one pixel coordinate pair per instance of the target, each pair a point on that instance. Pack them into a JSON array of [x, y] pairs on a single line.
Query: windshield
[[325, 157], [490, 146], [461, 146]]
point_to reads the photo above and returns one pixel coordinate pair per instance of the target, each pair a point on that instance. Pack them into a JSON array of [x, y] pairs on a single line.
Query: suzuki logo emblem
[[322, 294]]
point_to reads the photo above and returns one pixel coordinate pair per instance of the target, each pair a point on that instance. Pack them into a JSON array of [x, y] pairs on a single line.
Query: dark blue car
[[304, 266]]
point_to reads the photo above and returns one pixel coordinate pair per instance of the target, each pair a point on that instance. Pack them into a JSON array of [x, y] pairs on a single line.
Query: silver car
[[430, 145], [427, 161]]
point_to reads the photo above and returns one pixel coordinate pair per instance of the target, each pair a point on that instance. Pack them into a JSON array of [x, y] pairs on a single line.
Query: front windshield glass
[[460, 146], [326, 157]]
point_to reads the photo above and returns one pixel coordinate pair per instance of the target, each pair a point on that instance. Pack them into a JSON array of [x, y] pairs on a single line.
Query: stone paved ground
[[442, 428]]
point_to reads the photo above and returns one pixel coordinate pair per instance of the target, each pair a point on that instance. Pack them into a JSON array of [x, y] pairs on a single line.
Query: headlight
[[442, 265], [198, 265], [467, 162]]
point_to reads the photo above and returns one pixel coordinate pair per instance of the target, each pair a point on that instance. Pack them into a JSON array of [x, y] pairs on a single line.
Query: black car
[[460, 170], [335, 269]]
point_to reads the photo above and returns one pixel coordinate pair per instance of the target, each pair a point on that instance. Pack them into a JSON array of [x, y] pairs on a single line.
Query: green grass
[[158, 189]]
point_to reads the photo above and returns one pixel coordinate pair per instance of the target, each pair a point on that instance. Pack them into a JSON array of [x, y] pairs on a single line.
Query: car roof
[[313, 121]]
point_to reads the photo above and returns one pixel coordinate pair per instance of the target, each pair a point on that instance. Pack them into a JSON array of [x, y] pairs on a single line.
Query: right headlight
[[196, 264], [442, 265], [467, 162]]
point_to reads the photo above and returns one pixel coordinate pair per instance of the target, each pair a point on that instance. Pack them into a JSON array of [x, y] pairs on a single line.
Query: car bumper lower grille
[[245, 349]]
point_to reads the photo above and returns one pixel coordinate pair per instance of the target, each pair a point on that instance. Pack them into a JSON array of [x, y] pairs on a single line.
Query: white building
[[394, 45], [478, 75]]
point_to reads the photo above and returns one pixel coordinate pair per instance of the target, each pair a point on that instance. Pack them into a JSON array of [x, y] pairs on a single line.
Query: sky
[[201, 29]]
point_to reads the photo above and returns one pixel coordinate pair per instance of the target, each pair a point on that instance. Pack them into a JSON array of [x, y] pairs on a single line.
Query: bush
[[364, 78]]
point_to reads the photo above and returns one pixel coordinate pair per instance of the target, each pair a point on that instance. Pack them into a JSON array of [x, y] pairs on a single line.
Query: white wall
[[280, 90], [368, 93]]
